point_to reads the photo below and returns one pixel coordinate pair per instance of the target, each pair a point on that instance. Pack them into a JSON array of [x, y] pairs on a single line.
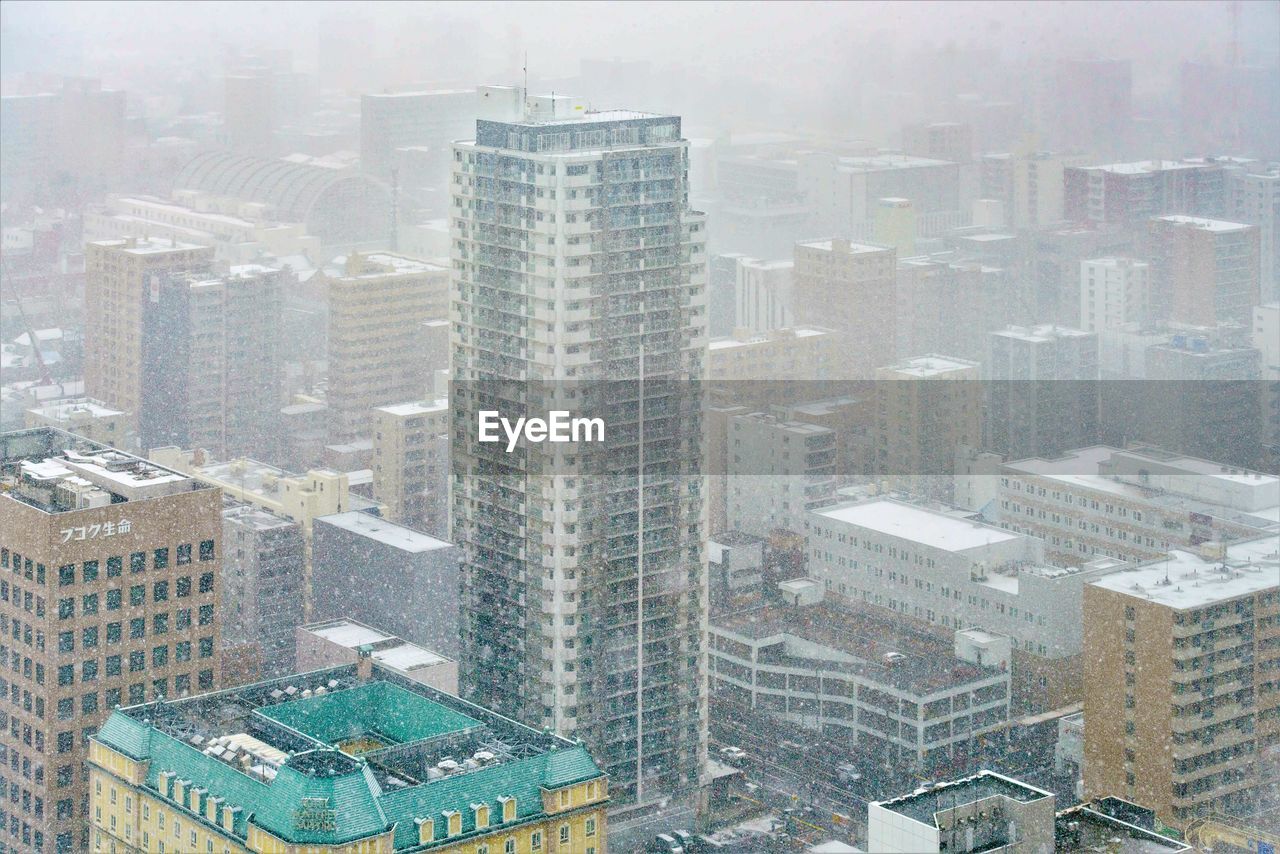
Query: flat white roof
[[1042, 333], [931, 366], [380, 529], [349, 634], [1215, 225], [854, 248], [416, 408], [407, 656], [917, 524], [1186, 580]]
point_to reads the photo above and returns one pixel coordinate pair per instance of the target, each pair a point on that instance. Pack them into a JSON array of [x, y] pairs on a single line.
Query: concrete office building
[[797, 353], [985, 812], [377, 306], [319, 761], [1042, 390], [239, 232], [578, 261], [408, 581], [263, 575], [1131, 193], [1253, 196], [427, 119], [110, 569], [926, 408], [1029, 185], [1114, 292], [411, 464], [84, 417], [1180, 707], [337, 642], [763, 299], [118, 278], [1133, 504], [211, 360], [911, 700], [946, 307], [942, 569], [776, 471], [845, 192], [850, 288], [1205, 272]]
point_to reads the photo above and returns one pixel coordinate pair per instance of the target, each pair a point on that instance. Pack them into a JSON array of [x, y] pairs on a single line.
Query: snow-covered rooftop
[[389, 533], [917, 524], [1187, 580], [1215, 225]]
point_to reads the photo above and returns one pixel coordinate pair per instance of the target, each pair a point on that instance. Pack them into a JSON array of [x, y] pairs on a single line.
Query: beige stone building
[[376, 310], [84, 417], [925, 409], [108, 597], [1181, 660], [411, 464], [849, 287], [118, 275]]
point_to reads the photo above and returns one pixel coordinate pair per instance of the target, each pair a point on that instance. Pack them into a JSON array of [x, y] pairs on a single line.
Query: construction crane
[[6, 278]]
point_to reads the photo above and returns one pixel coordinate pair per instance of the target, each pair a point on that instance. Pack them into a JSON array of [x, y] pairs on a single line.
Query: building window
[[88, 671], [114, 599], [137, 661], [564, 834], [206, 679], [90, 637], [160, 624], [182, 587], [591, 827], [160, 591], [137, 628], [90, 570], [66, 742], [66, 609], [182, 651], [67, 674], [206, 647], [66, 575], [138, 562], [137, 594], [206, 615], [206, 583], [89, 604], [161, 558], [535, 841], [206, 550], [89, 704], [114, 566], [184, 554], [160, 656]]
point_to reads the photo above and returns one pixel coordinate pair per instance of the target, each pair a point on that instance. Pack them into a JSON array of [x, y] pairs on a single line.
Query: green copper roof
[[346, 789], [377, 707]]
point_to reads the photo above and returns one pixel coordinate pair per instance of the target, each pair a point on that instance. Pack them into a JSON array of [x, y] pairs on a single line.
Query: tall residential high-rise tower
[[579, 284]]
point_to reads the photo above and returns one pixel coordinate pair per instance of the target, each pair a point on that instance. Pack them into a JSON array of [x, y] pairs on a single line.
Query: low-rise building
[[85, 417], [985, 812], [336, 642], [387, 575], [906, 697], [411, 463], [1133, 504], [945, 569], [354, 758]]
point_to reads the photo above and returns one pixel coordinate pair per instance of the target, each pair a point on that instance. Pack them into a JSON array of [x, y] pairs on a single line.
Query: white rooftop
[[147, 246], [853, 248], [1041, 334], [1186, 580], [1139, 167], [379, 529], [932, 366], [349, 634], [1214, 225], [917, 524], [423, 408]]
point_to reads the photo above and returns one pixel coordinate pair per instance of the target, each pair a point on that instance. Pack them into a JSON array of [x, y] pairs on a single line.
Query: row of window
[[114, 599]]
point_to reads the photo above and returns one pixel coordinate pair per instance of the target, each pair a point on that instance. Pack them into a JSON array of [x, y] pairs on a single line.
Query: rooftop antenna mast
[[524, 91]]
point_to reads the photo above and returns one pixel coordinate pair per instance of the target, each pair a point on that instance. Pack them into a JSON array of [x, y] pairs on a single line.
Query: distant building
[[377, 305], [1131, 193], [84, 417], [1114, 292], [1173, 715], [849, 288], [263, 581], [119, 277], [1133, 504], [763, 298], [777, 470], [408, 581], [211, 360], [985, 812], [1204, 271], [338, 642], [735, 568], [1028, 184], [952, 141], [926, 408], [427, 119], [1109, 821], [950, 307], [1042, 390], [844, 192], [411, 464], [796, 353], [348, 758]]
